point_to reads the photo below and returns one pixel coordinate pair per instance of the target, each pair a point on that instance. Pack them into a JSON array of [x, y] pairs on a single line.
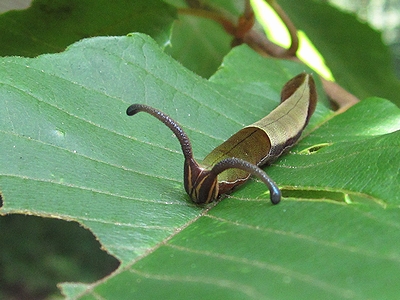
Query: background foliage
[[66, 141]]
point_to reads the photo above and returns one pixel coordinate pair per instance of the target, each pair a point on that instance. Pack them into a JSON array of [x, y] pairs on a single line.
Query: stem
[[228, 25], [291, 51]]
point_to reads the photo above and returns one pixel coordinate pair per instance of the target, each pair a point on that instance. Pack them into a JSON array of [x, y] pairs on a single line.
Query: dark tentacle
[[167, 120], [228, 163]]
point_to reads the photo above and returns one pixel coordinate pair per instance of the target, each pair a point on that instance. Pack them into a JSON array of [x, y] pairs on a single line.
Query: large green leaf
[[69, 151]]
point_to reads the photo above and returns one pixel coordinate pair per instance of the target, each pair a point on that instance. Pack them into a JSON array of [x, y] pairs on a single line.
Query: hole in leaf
[[315, 148], [38, 253], [314, 195], [333, 196]]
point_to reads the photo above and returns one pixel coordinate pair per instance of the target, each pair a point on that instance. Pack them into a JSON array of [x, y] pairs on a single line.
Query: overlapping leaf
[[354, 52], [51, 26]]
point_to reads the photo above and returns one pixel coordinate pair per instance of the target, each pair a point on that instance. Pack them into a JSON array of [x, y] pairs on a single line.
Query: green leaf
[[354, 52], [50, 26], [69, 151], [358, 150], [73, 290], [198, 43]]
